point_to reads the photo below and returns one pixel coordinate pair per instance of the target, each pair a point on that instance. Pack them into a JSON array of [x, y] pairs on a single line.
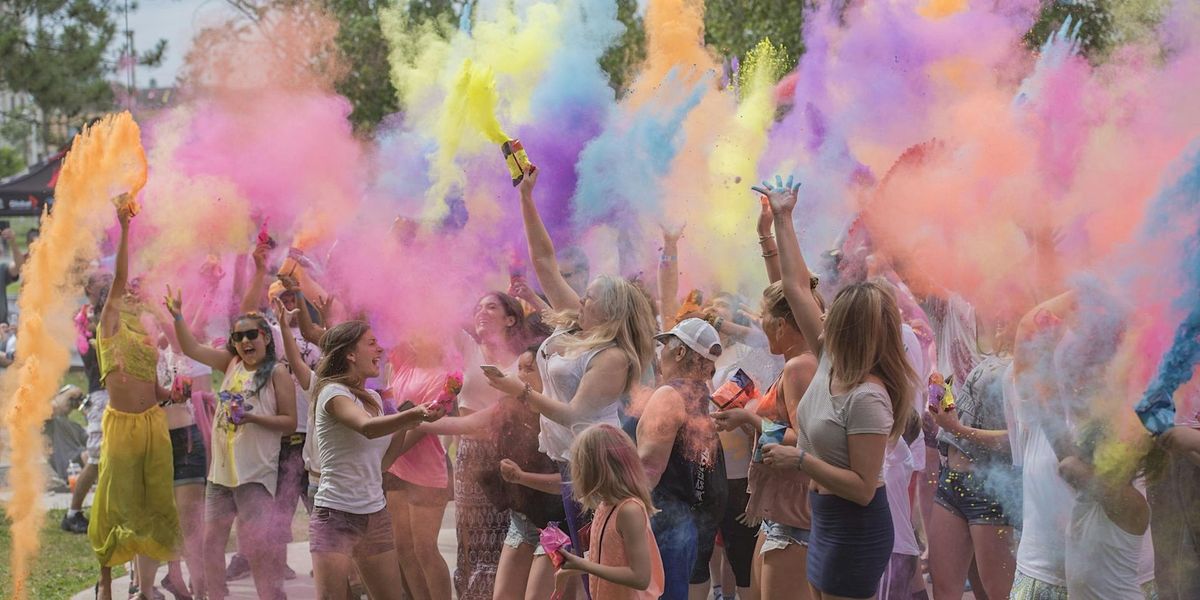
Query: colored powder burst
[[105, 160], [940, 9], [1177, 205], [733, 163]]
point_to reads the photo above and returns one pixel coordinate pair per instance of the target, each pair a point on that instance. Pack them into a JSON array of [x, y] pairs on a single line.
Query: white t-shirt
[[351, 473], [897, 473], [1047, 505]]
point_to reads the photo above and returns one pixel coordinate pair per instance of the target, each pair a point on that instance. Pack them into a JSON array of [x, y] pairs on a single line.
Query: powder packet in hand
[[553, 539], [516, 159], [736, 392], [772, 433]]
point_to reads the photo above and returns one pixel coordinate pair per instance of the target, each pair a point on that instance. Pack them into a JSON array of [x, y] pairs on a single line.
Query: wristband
[[800, 465], [178, 318]]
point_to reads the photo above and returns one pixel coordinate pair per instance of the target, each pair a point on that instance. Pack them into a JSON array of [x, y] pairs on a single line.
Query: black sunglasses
[[238, 336]]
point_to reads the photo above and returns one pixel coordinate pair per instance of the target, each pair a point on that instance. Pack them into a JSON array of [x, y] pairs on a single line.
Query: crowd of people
[[601, 439]]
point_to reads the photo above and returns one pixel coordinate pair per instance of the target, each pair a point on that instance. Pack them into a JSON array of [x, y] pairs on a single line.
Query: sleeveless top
[[607, 547], [779, 495], [561, 376], [695, 470], [244, 453], [129, 350]]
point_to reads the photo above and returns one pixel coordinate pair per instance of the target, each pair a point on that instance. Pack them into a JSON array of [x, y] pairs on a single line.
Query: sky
[[175, 21]]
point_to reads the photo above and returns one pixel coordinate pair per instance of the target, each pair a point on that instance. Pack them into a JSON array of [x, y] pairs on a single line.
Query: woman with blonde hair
[[603, 344], [846, 418]]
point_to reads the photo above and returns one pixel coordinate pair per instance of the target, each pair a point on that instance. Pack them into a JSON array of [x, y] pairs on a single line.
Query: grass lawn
[[64, 566]]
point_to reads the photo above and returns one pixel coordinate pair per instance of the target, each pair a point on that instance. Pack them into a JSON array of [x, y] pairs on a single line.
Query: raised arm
[[291, 351], [110, 317], [14, 269], [795, 273], [252, 301], [766, 239], [541, 250], [668, 276], [213, 357]]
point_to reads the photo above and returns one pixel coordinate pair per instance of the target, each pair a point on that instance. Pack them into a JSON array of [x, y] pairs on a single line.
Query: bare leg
[[189, 499], [104, 591], [994, 555], [756, 581], [513, 572], [147, 568], [332, 571], [426, 523], [950, 553], [216, 535], [399, 506], [785, 573], [380, 576], [83, 485], [541, 579]]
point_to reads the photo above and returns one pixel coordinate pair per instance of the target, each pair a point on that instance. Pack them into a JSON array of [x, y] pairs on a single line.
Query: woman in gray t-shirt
[[845, 419]]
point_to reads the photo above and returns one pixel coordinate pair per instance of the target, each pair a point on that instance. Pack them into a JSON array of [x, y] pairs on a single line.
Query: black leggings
[[739, 539]]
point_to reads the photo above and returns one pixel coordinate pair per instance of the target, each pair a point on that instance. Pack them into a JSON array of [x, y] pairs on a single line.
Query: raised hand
[[781, 197], [672, 232], [284, 315], [529, 181], [173, 301], [765, 218], [260, 257]]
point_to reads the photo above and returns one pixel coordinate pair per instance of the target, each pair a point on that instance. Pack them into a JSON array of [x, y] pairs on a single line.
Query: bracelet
[[179, 318], [669, 257], [717, 323], [800, 465], [770, 254], [763, 238]]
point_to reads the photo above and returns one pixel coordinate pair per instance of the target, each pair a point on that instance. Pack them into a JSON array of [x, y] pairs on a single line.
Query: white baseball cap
[[698, 335]]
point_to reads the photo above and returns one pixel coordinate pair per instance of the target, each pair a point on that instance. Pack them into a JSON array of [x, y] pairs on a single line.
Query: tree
[[734, 27], [59, 52], [11, 162], [1103, 24], [628, 51]]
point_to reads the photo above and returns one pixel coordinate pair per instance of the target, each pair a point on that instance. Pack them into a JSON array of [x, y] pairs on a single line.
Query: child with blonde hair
[[623, 556]]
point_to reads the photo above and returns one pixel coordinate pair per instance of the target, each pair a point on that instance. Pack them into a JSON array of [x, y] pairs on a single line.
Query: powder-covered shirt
[[826, 420], [245, 453], [980, 405]]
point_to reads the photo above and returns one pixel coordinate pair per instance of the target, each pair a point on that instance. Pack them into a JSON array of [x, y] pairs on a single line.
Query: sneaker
[[239, 568], [75, 524], [288, 573]]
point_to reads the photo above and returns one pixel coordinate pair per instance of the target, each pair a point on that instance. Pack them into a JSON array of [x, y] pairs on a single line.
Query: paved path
[[300, 561]]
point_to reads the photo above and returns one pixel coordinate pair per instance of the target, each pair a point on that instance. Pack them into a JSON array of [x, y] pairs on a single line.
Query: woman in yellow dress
[[133, 512]]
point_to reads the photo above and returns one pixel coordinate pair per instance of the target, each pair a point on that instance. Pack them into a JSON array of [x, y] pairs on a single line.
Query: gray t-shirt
[[826, 420], [980, 405]]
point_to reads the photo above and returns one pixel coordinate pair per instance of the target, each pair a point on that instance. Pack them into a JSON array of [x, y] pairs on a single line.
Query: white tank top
[[561, 376], [1103, 560]]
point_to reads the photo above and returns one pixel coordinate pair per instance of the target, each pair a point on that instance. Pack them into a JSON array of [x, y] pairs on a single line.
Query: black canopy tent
[[24, 195]]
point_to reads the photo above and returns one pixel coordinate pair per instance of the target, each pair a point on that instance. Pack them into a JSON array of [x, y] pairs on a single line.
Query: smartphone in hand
[[491, 370]]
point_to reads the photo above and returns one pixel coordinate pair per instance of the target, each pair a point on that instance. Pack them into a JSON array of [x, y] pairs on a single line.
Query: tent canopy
[[24, 195]]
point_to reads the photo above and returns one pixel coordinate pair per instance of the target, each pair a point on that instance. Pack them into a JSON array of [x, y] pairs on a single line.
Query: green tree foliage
[[734, 27], [1103, 24], [11, 162], [628, 51]]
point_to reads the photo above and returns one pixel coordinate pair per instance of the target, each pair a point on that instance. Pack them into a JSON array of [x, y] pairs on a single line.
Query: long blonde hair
[[336, 345], [862, 337], [605, 468], [627, 322]]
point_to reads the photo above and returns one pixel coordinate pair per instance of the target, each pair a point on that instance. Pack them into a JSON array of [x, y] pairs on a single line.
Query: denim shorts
[[963, 493], [780, 536], [361, 536], [191, 462], [522, 531]]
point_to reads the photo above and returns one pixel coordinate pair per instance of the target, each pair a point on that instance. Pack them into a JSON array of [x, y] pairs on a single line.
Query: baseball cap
[[698, 335]]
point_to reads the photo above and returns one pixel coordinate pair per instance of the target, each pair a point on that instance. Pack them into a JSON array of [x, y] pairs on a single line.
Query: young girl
[[623, 555]]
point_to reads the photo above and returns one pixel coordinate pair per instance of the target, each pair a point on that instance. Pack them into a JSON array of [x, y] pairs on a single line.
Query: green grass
[[63, 567]]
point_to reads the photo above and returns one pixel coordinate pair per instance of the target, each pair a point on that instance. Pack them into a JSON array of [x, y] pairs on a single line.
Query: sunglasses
[[249, 336]]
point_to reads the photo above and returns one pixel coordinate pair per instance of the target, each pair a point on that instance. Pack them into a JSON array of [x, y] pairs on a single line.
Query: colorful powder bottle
[[941, 393], [516, 159]]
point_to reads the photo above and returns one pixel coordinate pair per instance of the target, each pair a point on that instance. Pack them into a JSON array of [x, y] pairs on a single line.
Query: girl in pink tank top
[[622, 558]]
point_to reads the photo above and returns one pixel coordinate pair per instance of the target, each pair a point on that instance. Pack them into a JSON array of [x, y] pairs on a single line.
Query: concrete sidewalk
[[300, 561]]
